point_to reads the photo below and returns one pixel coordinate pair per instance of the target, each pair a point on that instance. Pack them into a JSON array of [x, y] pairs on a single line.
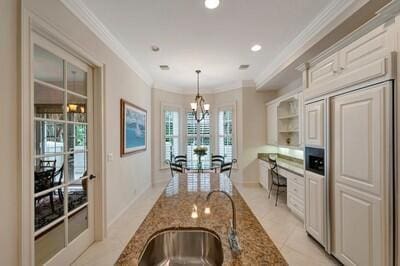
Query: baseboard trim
[[138, 195], [161, 181]]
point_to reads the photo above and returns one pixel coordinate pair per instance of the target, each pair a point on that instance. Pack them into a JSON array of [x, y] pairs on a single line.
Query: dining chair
[[47, 164], [180, 159], [175, 167], [58, 180], [277, 180], [227, 167], [217, 160], [45, 180]]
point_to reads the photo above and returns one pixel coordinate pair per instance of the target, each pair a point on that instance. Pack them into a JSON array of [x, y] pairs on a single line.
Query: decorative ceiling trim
[[326, 21], [227, 87], [383, 15], [87, 17]]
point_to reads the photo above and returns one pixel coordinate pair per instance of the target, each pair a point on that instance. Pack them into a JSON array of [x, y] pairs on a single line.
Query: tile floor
[[283, 227]]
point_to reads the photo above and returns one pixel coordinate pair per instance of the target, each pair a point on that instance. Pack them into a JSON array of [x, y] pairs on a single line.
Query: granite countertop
[[173, 210], [293, 165]]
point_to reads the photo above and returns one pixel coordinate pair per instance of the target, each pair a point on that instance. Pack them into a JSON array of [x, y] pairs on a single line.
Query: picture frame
[[133, 128]]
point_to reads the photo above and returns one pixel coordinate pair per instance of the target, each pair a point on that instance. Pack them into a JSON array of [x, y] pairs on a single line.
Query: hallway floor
[[282, 226]]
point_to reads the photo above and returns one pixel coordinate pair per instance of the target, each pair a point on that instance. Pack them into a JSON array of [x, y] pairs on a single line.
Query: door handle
[[92, 177]]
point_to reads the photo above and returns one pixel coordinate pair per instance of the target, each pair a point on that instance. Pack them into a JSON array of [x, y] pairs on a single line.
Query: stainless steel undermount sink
[[182, 247]]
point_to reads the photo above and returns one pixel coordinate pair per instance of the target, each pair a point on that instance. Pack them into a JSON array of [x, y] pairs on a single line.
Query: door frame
[[30, 23]]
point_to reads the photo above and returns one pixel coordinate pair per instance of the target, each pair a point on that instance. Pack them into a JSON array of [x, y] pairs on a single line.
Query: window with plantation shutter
[[197, 134], [225, 133], [171, 134]]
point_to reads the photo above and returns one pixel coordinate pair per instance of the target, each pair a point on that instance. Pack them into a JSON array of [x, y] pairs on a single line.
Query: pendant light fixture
[[199, 108]]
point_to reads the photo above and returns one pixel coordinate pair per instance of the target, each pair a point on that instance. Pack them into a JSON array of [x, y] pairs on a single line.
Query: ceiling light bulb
[[211, 4], [256, 48]]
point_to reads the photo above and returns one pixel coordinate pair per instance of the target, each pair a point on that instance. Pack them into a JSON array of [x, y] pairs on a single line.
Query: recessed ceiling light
[[256, 48], [164, 67], [243, 67], [155, 48], [211, 4]]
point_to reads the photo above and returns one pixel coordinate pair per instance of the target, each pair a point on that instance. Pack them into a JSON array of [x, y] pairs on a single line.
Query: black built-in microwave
[[315, 160]]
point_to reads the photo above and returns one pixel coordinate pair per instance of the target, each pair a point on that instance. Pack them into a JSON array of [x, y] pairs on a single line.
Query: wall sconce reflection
[[75, 108]]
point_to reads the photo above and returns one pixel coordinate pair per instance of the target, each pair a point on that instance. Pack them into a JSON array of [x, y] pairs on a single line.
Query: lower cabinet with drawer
[[295, 193]]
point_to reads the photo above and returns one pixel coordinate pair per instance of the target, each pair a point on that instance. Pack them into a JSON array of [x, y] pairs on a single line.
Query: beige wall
[[250, 127], [254, 131], [9, 133]]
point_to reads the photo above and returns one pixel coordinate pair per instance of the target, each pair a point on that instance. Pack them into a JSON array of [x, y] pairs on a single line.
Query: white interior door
[[62, 145], [361, 139]]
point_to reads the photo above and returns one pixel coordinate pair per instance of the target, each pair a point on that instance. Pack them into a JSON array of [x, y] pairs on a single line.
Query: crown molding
[[384, 15], [168, 88], [87, 17], [229, 87], [224, 88], [334, 14]]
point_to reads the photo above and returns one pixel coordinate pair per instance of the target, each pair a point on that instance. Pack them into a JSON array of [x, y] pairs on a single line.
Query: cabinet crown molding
[[385, 14]]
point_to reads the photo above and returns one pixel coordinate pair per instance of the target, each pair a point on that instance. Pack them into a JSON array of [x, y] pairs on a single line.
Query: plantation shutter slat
[[225, 134], [171, 134]]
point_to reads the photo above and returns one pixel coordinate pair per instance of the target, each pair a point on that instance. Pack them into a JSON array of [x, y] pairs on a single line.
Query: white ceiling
[[216, 41]]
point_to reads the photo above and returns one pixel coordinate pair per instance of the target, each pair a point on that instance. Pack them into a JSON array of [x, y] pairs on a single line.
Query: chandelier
[[199, 107]]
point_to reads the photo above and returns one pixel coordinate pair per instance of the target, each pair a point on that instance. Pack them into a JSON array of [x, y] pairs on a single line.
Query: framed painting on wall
[[133, 128]]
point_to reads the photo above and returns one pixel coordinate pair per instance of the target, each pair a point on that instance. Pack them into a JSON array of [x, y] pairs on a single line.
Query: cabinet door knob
[[92, 177]]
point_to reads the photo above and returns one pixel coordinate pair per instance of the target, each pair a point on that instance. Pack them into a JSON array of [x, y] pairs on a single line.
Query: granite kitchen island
[[174, 210]]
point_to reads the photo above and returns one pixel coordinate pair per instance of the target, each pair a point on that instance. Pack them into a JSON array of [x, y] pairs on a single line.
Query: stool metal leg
[[277, 195], [270, 189]]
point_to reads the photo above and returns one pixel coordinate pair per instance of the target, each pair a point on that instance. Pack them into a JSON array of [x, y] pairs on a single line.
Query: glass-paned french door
[[62, 143]]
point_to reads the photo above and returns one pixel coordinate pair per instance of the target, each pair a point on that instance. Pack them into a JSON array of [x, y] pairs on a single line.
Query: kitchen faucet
[[232, 233]]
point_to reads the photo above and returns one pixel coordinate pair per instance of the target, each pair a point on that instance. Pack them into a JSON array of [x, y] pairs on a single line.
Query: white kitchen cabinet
[[314, 124], [295, 192], [365, 58], [324, 71], [361, 170], [301, 118], [314, 205], [362, 60], [272, 123], [263, 175]]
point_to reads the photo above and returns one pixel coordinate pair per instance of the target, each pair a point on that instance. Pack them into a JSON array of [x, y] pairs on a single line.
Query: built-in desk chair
[[277, 180]]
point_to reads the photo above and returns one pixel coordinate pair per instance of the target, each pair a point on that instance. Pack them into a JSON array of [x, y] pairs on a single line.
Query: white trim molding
[[331, 17], [384, 15], [82, 12], [192, 91]]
